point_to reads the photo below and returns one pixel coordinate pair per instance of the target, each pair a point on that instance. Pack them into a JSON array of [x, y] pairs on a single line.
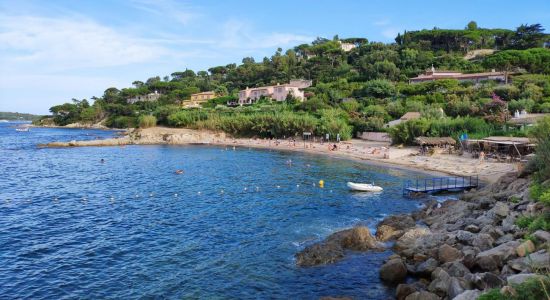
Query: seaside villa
[[149, 97], [198, 98], [432, 75], [277, 92]]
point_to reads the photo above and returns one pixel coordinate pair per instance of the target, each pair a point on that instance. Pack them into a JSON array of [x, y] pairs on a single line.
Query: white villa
[[347, 47], [149, 97], [277, 92]]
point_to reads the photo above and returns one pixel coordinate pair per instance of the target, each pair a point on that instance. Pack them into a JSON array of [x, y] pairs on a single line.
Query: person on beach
[[481, 157]]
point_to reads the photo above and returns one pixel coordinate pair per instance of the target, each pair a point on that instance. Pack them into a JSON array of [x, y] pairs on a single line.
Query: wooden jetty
[[440, 184]]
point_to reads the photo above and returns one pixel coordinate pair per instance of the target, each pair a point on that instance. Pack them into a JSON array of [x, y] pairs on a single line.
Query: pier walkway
[[440, 184]]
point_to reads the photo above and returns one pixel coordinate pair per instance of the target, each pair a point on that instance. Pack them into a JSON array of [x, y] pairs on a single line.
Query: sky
[[55, 50]]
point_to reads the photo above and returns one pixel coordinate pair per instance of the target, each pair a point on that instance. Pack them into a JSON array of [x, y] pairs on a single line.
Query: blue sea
[[74, 227]]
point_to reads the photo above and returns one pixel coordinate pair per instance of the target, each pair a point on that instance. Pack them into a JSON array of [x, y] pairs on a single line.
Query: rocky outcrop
[[456, 249], [332, 248]]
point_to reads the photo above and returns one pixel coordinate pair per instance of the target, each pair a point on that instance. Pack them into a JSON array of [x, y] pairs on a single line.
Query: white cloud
[[59, 44], [177, 11], [238, 34]]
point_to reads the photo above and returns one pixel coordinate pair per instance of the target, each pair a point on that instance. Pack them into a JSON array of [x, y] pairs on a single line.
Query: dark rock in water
[[447, 253], [403, 290], [332, 249], [318, 254], [393, 227], [422, 296], [427, 267], [393, 271], [483, 241]]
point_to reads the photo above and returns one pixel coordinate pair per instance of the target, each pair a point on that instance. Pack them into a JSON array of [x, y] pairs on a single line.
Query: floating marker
[[245, 188], [321, 183], [175, 194], [151, 195], [199, 193], [257, 189], [297, 185], [221, 192], [278, 186]]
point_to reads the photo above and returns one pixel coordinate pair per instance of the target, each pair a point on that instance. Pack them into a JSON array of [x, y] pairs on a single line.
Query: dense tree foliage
[[357, 90]]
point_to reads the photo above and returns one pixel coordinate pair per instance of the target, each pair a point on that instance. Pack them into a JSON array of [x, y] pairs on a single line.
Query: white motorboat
[[364, 187], [22, 129]]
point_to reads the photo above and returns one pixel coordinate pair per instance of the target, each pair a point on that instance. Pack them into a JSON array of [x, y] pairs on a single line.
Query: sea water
[[74, 226]]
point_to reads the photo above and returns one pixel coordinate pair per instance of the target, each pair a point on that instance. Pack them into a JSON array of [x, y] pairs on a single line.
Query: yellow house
[[203, 97], [198, 98]]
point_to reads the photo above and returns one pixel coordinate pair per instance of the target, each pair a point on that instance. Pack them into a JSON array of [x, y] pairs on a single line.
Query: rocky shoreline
[[452, 250]]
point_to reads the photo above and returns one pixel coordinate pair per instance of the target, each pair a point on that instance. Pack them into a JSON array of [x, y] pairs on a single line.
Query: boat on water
[[364, 187], [22, 129]]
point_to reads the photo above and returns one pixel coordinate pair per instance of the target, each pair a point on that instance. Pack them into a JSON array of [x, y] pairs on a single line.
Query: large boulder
[[393, 227], [447, 253], [393, 271], [538, 261], [332, 248], [423, 295], [488, 263]]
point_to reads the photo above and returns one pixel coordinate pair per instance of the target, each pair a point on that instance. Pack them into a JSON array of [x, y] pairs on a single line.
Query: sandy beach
[[355, 149]]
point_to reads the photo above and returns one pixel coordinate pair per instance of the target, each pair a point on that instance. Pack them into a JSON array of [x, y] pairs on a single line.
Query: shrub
[[532, 289], [121, 122], [147, 121]]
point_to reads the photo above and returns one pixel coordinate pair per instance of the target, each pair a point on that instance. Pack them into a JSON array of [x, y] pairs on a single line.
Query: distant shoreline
[[356, 150]]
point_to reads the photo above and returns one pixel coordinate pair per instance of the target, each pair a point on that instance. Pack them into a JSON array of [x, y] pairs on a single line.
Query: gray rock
[[465, 237], [484, 281], [504, 239], [427, 267], [501, 209], [469, 258], [472, 228], [447, 253], [488, 263], [484, 220], [504, 251], [456, 269], [423, 295], [440, 282], [493, 231], [483, 241], [403, 290], [393, 271], [543, 236], [520, 278], [468, 295], [455, 288]]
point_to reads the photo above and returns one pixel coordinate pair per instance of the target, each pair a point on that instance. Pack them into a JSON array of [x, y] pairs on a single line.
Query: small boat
[[22, 129], [364, 187]]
